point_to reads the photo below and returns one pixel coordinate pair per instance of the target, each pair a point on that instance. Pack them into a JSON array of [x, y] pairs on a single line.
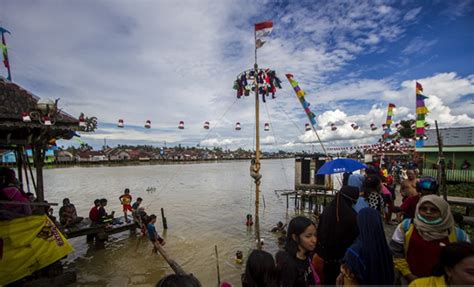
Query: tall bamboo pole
[[442, 165], [257, 151]]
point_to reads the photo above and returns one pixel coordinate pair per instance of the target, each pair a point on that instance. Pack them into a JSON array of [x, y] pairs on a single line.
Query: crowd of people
[[26, 204], [349, 244]]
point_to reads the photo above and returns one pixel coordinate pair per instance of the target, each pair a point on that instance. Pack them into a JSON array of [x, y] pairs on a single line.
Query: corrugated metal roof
[[451, 137]]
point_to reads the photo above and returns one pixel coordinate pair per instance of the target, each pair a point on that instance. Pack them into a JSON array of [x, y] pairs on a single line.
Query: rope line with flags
[[311, 116]]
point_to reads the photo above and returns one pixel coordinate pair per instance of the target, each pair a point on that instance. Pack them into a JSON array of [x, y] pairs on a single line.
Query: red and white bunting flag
[[262, 30]]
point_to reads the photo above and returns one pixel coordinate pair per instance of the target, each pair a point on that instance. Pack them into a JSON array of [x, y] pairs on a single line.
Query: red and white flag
[[262, 30]]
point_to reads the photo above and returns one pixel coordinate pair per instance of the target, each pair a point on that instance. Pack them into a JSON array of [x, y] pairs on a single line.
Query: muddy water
[[205, 205]]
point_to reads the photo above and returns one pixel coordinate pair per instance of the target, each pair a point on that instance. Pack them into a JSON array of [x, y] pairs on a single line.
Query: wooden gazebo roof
[[15, 100]]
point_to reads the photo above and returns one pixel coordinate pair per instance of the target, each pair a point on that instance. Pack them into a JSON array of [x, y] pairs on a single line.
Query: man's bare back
[[408, 186]]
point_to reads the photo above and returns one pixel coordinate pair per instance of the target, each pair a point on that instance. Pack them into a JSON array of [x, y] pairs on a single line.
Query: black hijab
[[337, 228]]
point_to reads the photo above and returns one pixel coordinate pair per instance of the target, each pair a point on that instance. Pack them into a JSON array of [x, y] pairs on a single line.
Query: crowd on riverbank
[[348, 245]]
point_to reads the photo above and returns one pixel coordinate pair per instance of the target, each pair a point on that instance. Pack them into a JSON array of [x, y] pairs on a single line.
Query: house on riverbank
[[458, 149]]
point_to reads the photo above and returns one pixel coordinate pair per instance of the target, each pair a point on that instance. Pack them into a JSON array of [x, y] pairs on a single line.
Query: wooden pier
[[99, 232], [309, 200]]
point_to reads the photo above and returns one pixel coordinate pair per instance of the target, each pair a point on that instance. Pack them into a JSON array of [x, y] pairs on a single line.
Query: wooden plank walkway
[[85, 228]]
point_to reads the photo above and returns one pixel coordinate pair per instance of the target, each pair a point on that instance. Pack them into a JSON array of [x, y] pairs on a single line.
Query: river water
[[205, 205]]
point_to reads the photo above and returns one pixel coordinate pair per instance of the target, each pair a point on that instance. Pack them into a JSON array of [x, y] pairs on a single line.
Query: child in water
[[126, 200], [152, 234]]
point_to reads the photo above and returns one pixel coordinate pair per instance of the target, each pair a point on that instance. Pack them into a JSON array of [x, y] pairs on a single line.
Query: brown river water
[[205, 205]]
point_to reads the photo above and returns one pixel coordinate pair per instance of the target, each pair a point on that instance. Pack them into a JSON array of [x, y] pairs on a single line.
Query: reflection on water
[[205, 205]]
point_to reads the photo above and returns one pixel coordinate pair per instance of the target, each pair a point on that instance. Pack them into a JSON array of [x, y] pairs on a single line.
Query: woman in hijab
[[337, 230], [369, 260], [416, 243]]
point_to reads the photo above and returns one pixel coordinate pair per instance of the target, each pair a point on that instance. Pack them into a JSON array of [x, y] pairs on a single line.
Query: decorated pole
[[263, 82]]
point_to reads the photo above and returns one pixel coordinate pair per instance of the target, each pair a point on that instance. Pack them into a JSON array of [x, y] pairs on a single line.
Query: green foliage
[[461, 189], [406, 131]]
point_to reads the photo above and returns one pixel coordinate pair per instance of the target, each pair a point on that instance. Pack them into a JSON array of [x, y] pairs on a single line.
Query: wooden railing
[[456, 175]]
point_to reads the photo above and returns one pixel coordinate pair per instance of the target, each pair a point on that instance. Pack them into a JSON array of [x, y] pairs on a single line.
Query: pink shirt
[[385, 190], [14, 194]]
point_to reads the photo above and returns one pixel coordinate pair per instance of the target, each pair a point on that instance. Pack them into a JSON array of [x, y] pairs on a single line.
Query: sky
[[171, 61]]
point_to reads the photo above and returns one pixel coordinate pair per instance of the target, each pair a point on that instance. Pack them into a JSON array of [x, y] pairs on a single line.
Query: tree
[[407, 131]]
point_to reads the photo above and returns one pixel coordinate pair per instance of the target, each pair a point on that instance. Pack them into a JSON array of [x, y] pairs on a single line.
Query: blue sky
[[167, 61]]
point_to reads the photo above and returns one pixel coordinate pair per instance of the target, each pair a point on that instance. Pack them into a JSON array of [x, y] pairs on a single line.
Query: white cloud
[[412, 14], [168, 61], [418, 45], [217, 142], [443, 114]]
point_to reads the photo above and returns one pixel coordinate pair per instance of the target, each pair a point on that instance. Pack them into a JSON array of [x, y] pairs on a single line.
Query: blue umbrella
[[340, 165]]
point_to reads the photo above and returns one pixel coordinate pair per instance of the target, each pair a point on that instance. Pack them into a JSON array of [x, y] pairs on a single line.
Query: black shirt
[[294, 272]]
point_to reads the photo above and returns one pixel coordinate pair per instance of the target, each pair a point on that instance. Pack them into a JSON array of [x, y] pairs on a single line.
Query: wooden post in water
[[442, 165], [163, 219], [218, 270]]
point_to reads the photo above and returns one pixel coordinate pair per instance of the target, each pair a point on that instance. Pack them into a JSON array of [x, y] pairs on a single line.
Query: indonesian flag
[[262, 30]]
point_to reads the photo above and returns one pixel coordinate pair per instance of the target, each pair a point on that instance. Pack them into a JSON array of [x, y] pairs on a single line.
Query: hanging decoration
[[148, 124], [181, 125], [266, 127], [307, 127], [206, 125], [120, 123], [392, 146], [4, 48], [300, 95], [237, 126], [388, 122], [82, 120], [333, 127], [354, 126], [26, 117], [421, 112], [266, 79], [373, 127]]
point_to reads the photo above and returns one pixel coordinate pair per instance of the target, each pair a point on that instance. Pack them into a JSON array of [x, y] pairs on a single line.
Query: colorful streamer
[[421, 112], [5, 52], [389, 121], [300, 95]]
